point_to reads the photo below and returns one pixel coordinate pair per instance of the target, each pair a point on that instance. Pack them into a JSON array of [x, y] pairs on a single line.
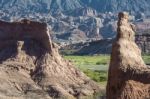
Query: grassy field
[[89, 60], [147, 59], [96, 67]]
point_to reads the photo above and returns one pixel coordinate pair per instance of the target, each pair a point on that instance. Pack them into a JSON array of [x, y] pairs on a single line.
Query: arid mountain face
[[119, 5], [74, 21], [41, 5], [143, 41], [69, 5], [128, 76], [31, 67]]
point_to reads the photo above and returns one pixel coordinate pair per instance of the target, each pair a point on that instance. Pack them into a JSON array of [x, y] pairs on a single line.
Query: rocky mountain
[[70, 5], [32, 68], [42, 6], [131, 6], [75, 21]]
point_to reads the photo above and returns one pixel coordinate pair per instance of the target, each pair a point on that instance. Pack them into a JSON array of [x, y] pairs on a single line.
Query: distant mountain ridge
[[132, 6], [40, 5], [102, 6], [74, 21]]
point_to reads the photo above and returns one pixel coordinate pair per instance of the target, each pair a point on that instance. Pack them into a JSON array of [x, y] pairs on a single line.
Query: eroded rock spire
[[129, 77]]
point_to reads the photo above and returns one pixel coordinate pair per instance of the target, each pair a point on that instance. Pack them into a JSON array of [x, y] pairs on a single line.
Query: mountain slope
[[40, 5], [119, 5], [80, 20], [32, 68], [67, 5]]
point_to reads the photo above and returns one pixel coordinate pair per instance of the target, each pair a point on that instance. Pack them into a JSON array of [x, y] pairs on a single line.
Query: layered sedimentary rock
[[128, 75], [143, 41], [31, 67], [24, 30]]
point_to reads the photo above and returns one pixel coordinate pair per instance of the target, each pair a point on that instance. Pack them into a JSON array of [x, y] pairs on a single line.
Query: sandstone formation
[[128, 76], [31, 67], [24, 30]]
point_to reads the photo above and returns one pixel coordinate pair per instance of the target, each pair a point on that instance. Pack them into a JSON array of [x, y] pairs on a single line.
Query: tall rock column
[[129, 77]]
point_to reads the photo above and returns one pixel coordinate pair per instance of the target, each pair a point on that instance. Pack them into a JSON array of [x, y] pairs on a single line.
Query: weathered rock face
[[31, 67], [143, 41], [128, 75], [24, 30]]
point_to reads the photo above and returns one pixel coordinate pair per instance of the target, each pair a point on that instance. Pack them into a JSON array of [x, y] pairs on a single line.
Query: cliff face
[[143, 41], [25, 30], [128, 74], [31, 67]]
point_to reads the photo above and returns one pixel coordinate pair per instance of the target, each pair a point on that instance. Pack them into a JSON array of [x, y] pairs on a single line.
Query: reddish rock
[[128, 76], [31, 67]]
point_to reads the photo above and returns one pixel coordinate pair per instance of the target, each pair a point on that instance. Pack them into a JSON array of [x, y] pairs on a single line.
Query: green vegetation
[[96, 75], [96, 67], [147, 59], [67, 52], [89, 60]]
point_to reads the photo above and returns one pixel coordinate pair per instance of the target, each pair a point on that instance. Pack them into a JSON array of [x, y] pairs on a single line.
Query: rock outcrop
[[128, 76], [31, 67], [24, 30]]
